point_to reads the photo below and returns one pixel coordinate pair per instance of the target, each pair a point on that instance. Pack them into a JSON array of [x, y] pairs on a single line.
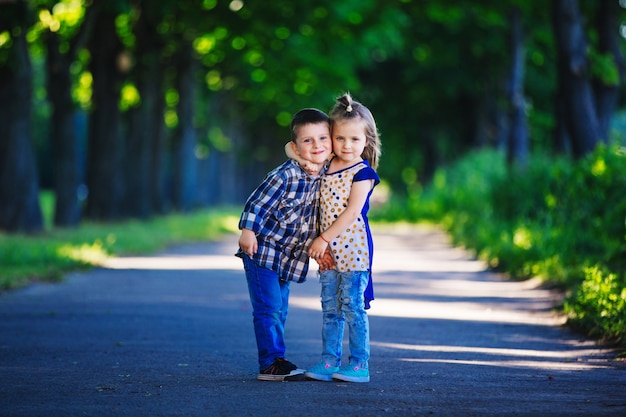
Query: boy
[[278, 223]]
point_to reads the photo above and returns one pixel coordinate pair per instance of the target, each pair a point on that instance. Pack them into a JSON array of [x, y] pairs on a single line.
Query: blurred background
[[136, 108]]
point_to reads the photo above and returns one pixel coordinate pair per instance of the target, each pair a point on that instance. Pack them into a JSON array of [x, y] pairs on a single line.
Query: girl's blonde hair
[[348, 109]]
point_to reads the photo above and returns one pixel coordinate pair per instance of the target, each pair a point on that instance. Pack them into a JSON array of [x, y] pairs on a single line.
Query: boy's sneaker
[[322, 372], [352, 373], [280, 370]]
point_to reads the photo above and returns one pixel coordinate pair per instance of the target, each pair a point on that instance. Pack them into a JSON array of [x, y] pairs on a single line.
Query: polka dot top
[[353, 248]]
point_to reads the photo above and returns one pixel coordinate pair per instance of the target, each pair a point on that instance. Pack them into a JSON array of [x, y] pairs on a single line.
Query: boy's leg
[[269, 297], [353, 304], [332, 318]]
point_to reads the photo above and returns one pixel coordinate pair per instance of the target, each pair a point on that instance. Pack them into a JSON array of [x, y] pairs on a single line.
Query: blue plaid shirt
[[282, 211]]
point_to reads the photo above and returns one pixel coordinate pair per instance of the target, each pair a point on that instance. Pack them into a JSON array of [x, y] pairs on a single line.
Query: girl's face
[[349, 139]]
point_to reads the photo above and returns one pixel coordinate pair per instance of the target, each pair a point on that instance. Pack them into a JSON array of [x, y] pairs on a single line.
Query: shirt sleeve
[[367, 173], [262, 202]]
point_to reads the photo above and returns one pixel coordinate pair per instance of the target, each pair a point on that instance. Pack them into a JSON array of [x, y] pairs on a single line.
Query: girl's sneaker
[[322, 372], [352, 373]]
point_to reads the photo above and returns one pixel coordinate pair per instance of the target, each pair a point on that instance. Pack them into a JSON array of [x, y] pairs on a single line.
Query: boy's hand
[[248, 242]]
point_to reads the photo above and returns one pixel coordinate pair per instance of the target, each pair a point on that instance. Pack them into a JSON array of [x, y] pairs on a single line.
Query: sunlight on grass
[[57, 251], [92, 254]]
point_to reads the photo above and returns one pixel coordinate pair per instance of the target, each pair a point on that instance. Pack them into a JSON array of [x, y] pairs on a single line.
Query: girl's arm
[[356, 201]]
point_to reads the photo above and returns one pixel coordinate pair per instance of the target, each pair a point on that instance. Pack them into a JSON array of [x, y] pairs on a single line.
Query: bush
[[599, 306], [558, 219]]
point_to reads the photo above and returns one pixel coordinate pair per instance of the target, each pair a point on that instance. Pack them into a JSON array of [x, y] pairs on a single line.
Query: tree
[[184, 141], [518, 148], [19, 187], [64, 37], [183, 93], [608, 68], [144, 164], [104, 153], [576, 99]]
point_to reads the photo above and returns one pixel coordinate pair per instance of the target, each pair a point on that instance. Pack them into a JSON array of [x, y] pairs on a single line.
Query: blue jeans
[[342, 300], [270, 301]]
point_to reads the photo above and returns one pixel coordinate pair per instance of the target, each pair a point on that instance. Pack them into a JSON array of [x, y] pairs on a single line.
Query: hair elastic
[[349, 108]]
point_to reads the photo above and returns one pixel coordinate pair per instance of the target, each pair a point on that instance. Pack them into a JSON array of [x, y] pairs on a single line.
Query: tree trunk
[[104, 150], [561, 142], [224, 164], [578, 107], [607, 93], [63, 135], [63, 131], [143, 127], [518, 146], [184, 175], [158, 156], [19, 187]]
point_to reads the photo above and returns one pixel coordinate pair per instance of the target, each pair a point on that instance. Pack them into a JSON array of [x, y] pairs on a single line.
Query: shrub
[[599, 306], [561, 220]]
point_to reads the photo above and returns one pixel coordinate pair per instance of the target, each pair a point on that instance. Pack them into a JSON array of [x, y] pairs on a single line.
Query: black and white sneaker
[[281, 370]]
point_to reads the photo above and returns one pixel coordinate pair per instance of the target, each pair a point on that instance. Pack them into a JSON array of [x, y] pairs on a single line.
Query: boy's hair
[[348, 109], [305, 117]]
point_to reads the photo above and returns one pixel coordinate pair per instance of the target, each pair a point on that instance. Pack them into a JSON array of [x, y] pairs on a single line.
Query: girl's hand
[[317, 248]]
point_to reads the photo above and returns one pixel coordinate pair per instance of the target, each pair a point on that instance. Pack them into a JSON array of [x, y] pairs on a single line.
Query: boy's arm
[[263, 201], [308, 166]]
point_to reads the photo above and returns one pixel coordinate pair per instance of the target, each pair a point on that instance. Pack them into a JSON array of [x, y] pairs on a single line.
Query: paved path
[[172, 335]]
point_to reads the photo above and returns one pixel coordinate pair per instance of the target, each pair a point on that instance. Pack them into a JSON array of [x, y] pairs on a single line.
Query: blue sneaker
[[352, 373], [321, 372]]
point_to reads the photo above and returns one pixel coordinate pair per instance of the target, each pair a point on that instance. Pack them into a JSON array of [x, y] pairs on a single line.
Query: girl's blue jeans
[[343, 301], [270, 301]]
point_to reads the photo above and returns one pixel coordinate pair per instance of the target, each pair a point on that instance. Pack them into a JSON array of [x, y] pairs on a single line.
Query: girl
[[347, 289]]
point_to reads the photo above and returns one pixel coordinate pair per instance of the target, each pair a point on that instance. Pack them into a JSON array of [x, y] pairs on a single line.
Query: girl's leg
[[269, 297], [353, 304], [332, 318]]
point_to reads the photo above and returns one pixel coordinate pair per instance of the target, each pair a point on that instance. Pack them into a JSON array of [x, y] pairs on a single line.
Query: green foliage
[[46, 202], [49, 256], [604, 68], [599, 306], [561, 220]]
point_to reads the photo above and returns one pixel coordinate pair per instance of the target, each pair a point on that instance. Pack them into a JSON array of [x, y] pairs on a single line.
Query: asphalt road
[[171, 335]]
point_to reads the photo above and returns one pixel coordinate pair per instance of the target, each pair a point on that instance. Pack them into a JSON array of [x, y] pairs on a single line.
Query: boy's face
[[313, 142]]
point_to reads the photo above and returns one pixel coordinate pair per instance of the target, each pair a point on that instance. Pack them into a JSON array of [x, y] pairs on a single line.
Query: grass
[[50, 255]]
